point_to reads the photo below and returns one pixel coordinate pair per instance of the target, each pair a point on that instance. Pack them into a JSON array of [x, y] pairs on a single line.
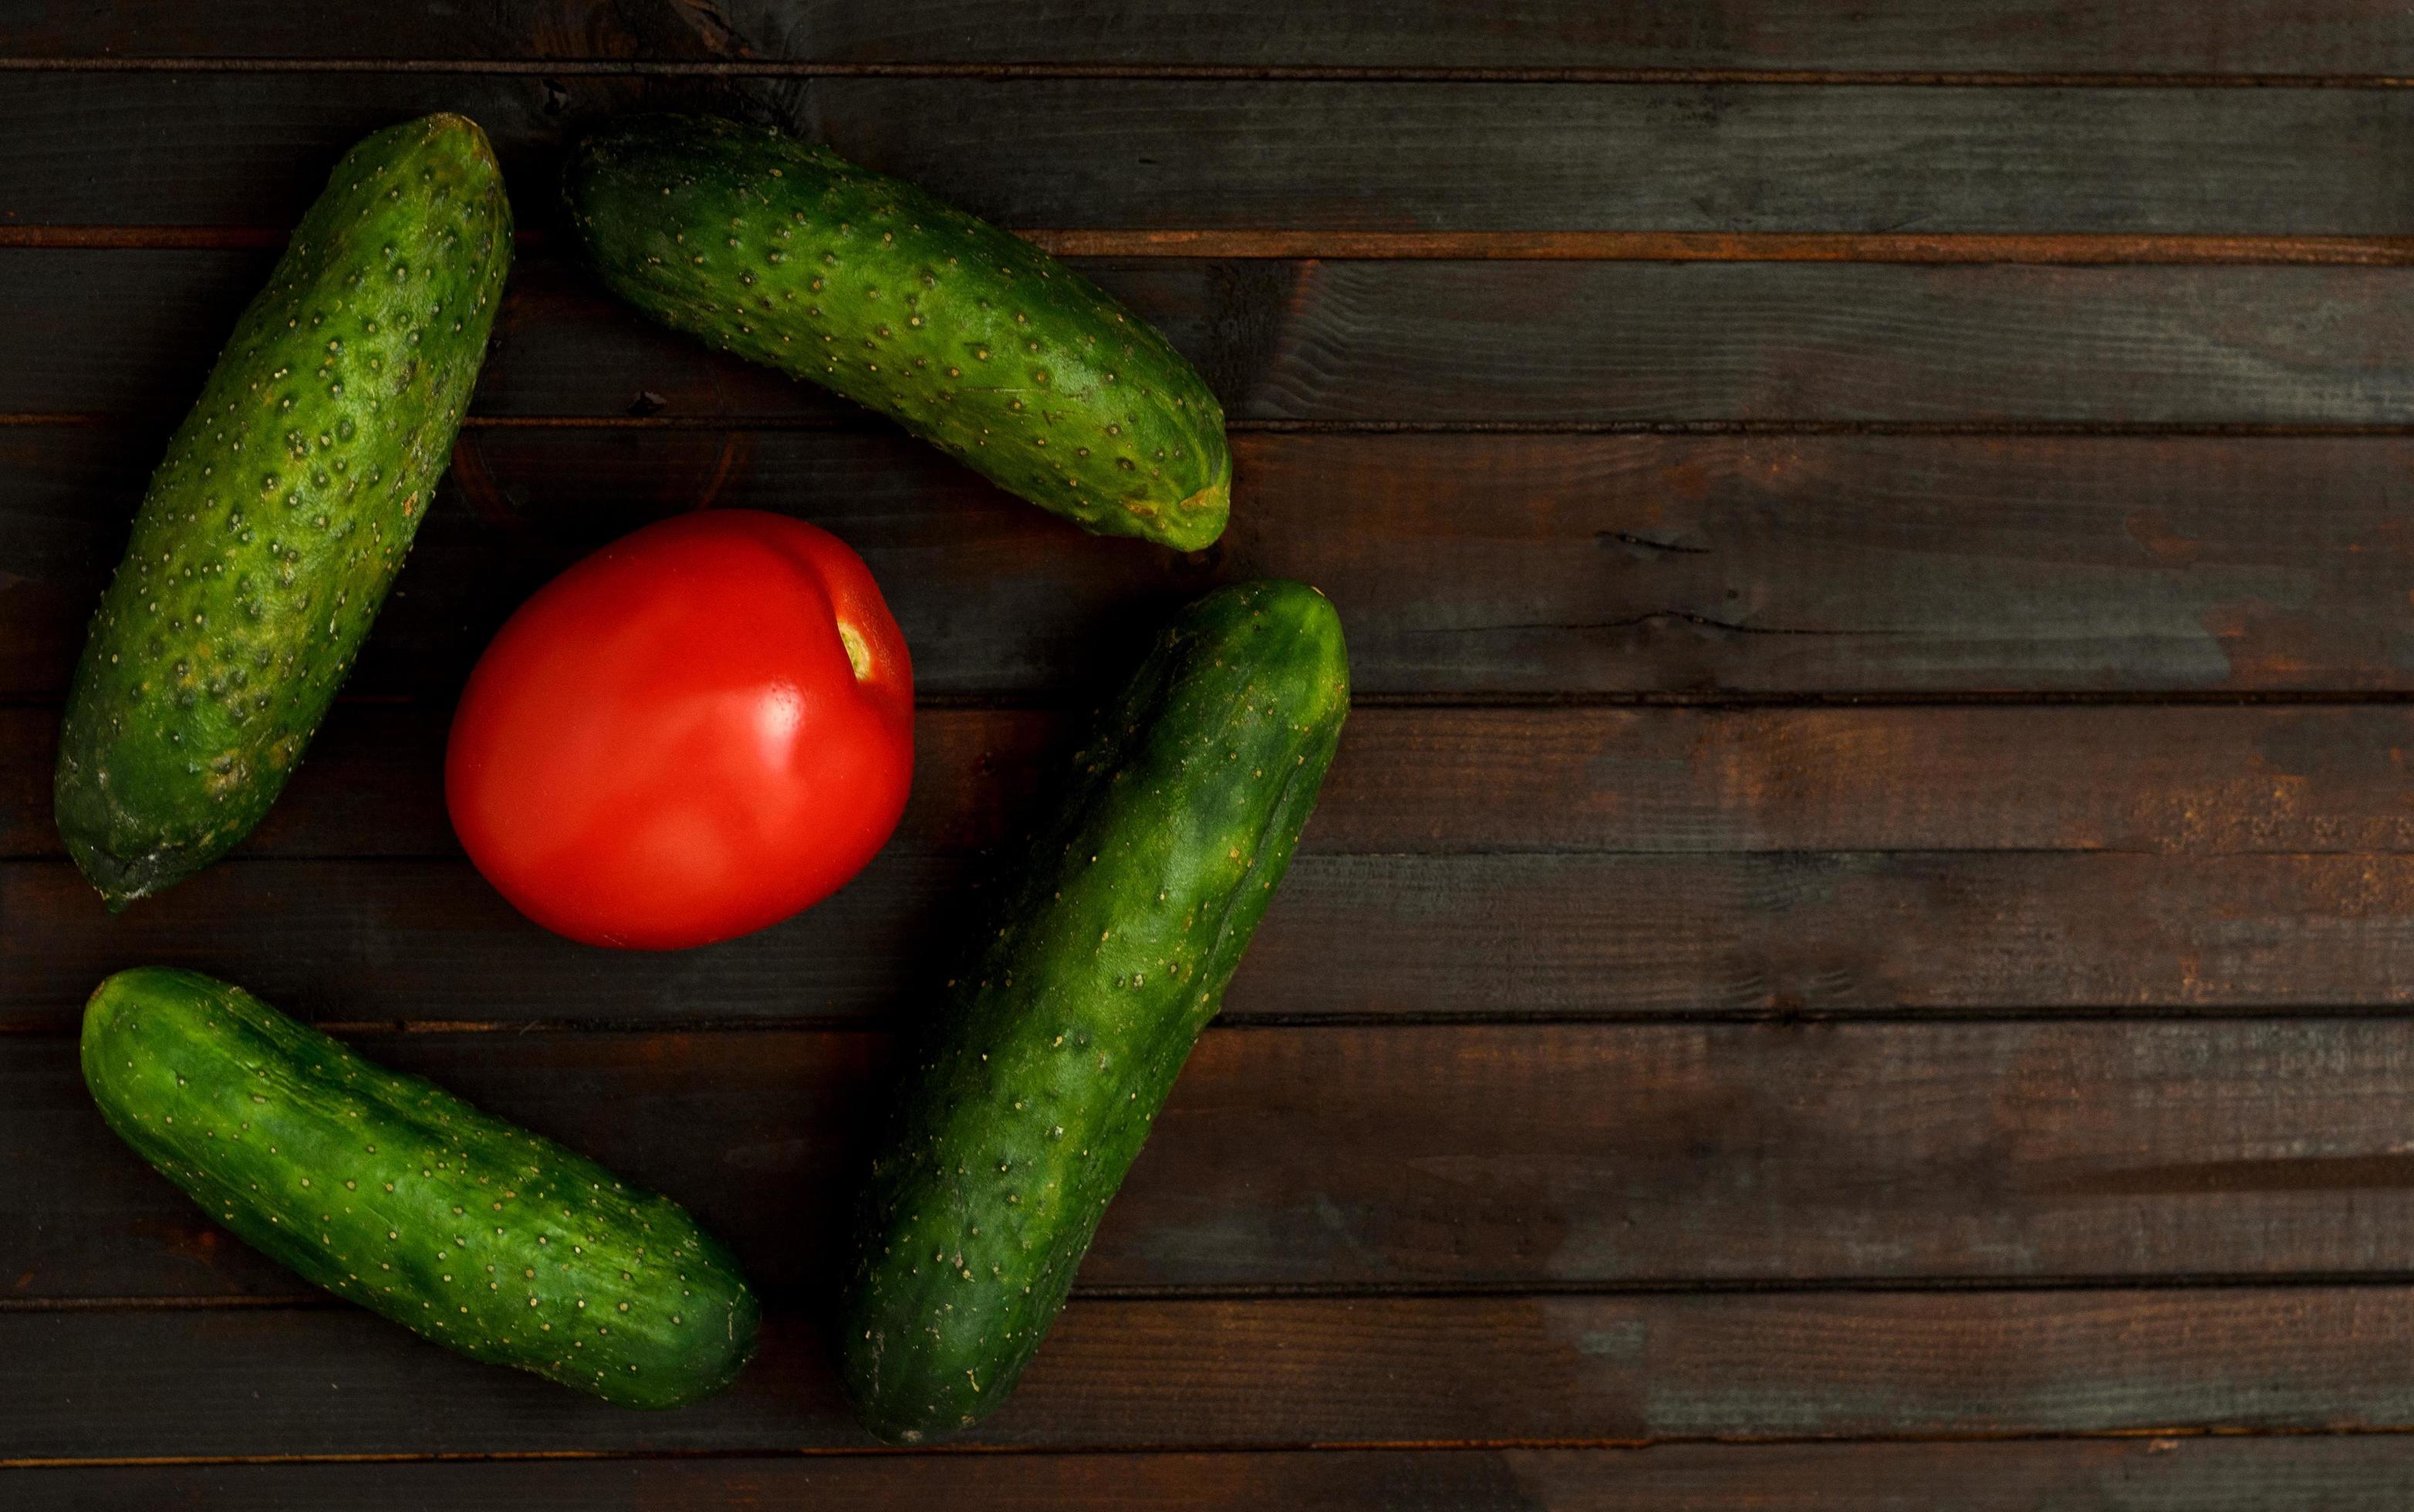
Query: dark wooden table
[[1857, 953]]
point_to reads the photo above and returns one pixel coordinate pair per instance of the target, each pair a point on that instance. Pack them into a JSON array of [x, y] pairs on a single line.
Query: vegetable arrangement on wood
[[698, 731]]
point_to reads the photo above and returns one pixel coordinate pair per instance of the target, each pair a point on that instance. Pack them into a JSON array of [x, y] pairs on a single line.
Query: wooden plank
[[1509, 937], [1462, 1157], [1653, 345], [252, 149], [1463, 564], [402, 940], [1506, 1371], [1578, 344], [1569, 345], [2292, 778], [1346, 1482], [2339, 1473], [2044, 248], [2355, 38]]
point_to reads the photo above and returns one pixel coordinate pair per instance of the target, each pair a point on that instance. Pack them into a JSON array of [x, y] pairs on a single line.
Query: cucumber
[[391, 1192], [1064, 1033], [273, 526], [968, 336]]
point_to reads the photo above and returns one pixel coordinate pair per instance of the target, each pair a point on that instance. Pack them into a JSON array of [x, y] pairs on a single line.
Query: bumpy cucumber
[[287, 500], [391, 1193], [970, 337], [1109, 954]]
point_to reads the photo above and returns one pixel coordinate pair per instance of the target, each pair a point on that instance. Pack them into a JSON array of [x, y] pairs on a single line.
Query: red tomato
[[694, 733]]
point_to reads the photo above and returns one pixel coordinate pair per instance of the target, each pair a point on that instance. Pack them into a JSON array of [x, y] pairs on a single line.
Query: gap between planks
[[856, 423], [1413, 1292], [1498, 1446], [1210, 73], [2361, 1015], [2058, 249], [1710, 701]]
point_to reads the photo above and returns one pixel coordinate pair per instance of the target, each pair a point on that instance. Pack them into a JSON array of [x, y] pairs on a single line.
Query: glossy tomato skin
[[694, 733]]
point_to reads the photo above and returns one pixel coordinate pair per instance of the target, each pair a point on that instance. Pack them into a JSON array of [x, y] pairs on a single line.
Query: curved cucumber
[[276, 524], [391, 1192], [1063, 1035], [968, 336]]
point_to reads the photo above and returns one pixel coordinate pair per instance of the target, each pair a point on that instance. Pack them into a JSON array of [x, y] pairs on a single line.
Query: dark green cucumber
[[1061, 1039], [968, 336], [274, 527], [394, 1193]]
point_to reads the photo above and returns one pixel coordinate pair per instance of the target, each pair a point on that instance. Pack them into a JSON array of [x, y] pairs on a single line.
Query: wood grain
[[1524, 345], [2340, 1473], [1465, 566], [2058, 248], [1497, 1372], [2311, 778], [2356, 38], [1487, 1158], [1510, 937], [246, 149]]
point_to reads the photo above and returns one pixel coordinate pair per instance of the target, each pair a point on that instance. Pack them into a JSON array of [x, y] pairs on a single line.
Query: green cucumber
[[276, 524], [391, 1192], [967, 335], [1063, 1035]]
